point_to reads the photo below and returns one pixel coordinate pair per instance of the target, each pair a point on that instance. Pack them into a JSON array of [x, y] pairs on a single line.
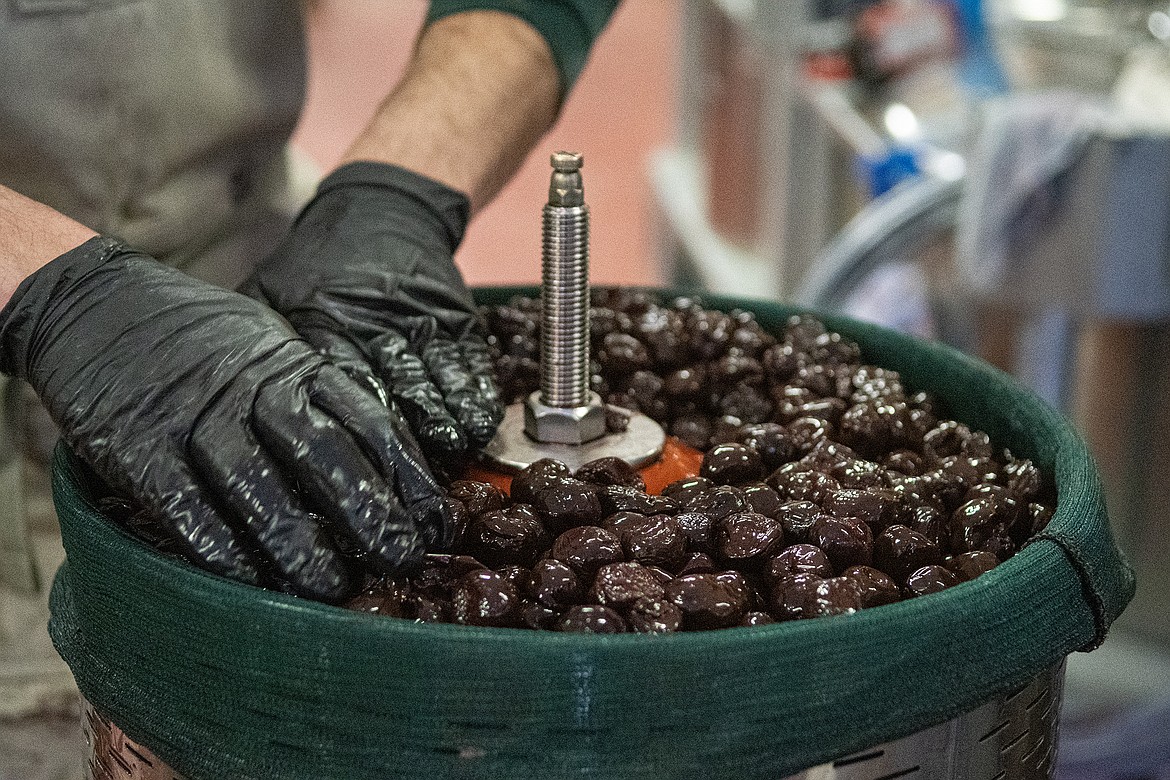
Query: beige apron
[[163, 123]]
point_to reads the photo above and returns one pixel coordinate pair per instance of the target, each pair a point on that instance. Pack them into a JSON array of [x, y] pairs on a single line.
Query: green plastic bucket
[[224, 680]]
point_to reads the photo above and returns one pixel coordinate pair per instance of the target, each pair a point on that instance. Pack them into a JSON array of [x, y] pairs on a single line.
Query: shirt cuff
[[569, 26]]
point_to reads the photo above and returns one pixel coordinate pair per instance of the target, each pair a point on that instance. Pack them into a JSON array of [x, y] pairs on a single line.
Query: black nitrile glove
[[205, 405], [366, 275]]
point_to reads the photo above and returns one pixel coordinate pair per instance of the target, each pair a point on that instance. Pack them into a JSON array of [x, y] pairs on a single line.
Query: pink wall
[[621, 109]]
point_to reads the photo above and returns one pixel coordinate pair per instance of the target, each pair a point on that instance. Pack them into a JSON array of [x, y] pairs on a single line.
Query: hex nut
[[552, 425]]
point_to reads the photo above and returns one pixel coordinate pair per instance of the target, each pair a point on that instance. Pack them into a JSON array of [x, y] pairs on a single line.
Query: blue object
[[882, 173], [979, 69]]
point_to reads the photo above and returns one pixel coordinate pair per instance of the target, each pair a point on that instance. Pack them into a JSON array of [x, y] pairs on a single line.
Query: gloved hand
[[208, 408], [366, 275]]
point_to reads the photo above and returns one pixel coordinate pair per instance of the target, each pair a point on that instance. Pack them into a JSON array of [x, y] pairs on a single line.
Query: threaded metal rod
[[564, 292], [564, 419]]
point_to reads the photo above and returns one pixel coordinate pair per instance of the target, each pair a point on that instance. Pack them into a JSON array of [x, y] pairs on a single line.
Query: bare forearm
[[31, 234], [481, 90]]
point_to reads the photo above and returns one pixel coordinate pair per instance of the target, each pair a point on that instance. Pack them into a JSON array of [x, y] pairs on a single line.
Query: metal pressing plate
[[512, 449]]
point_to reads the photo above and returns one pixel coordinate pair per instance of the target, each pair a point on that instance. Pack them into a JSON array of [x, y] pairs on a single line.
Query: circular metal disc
[[512, 449]]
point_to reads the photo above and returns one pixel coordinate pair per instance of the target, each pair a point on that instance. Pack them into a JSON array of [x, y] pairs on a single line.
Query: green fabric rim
[[225, 680]]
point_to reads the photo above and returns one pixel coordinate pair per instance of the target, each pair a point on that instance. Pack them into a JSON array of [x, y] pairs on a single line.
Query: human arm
[[480, 91], [367, 273], [32, 234], [486, 82], [207, 408]]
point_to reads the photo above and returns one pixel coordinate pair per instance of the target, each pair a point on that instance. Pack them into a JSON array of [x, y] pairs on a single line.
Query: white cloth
[[1026, 144], [1067, 205]]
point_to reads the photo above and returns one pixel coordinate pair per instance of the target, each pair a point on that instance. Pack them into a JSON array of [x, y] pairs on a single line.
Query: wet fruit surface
[[819, 485], [706, 601], [798, 482]]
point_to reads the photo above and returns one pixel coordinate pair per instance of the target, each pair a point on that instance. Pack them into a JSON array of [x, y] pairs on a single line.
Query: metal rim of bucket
[[1011, 736]]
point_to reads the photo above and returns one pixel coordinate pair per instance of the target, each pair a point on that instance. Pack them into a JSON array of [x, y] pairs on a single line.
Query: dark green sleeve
[[569, 26]]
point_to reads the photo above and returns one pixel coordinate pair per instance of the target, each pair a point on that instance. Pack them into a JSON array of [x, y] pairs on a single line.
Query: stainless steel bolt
[[563, 419], [564, 410]]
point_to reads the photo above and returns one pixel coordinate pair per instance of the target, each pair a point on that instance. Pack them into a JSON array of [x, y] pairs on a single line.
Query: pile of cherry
[[826, 487]]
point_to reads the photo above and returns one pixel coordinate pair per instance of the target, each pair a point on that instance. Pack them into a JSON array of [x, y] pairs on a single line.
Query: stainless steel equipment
[[564, 411], [756, 182], [114, 756], [1012, 736], [564, 419], [1075, 44]]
